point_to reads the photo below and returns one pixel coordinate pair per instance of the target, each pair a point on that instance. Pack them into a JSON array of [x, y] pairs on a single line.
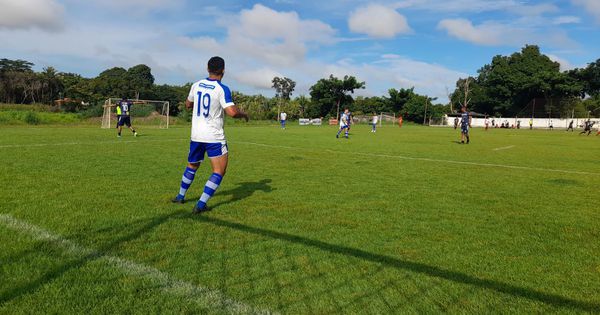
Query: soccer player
[[455, 123], [209, 98], [344, 123], [350, 120], [374, 121], [283, 119], [123, 117], [531, 124], [465, 124], [570, 126], [487, 123], [551, 125], [587, 127]]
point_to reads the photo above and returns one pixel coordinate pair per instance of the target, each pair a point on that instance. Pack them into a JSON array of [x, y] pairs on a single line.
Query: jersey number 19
[[203, 104]]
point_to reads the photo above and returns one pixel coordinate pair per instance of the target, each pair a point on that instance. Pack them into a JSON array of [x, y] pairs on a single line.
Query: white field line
[[527, 168], [84, 143], [504, 148], [205, 297]]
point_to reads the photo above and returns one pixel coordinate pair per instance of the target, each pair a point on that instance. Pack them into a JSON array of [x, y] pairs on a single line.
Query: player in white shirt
[[374, 121], [283, 119], [344, 123], [210, 99]]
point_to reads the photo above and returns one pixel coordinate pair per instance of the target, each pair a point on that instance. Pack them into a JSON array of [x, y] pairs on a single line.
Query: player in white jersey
[[374, 121], [344, 123], [210, 99], [283, 119]]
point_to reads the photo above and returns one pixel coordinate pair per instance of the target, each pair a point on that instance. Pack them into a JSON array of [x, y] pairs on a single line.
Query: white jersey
[[283, 116], [210, 97], [344, 120], [375, 119]]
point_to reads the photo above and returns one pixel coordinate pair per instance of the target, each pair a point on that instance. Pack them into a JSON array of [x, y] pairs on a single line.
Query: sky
[[425, 44]]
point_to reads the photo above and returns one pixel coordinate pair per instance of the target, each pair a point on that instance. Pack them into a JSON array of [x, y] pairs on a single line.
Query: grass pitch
[[401, 221]]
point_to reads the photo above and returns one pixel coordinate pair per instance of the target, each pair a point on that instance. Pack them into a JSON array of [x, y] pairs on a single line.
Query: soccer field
[[401, 221]]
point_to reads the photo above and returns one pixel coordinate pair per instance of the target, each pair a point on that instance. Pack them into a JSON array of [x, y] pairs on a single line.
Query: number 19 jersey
[[210, 97]]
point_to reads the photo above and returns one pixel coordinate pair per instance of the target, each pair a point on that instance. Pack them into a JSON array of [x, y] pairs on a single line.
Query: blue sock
[[186, 181], [346, 133], [209, 190]]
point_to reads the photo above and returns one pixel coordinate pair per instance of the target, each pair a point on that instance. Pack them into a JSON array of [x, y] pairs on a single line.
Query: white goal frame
[[386, 116], [113, 101]]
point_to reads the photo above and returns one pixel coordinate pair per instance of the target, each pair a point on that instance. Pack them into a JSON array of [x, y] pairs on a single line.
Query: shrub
[[32, 118]]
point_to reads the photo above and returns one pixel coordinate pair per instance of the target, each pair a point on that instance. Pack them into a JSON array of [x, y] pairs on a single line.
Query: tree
[[113, 82], [141, 80], [283, 90], [509, 83], [283, 87], [328, 94]]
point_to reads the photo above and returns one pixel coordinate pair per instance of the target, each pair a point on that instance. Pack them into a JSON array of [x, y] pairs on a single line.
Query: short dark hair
[[216, 65]]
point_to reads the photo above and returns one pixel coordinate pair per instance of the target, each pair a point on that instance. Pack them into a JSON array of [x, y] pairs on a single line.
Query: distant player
[[530, 123], [283, 119], [400, 121], [551, 125], [465, 124], [587, 127], [350, 120], [487, 123], [570, 127], [209, 99], [374, 122], [344, 123], [123, 116], [455, 123]]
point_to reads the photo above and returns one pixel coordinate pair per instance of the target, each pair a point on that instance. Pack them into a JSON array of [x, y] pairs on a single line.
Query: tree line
[[508, 86]]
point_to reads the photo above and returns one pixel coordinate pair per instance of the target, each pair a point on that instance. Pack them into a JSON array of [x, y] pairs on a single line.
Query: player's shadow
[[412, 266], [243, 190]]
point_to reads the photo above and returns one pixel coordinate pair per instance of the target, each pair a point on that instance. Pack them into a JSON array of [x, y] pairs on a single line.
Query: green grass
[[303, 222]]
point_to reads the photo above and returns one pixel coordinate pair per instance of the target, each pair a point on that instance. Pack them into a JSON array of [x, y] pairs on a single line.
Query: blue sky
[[427, 44]]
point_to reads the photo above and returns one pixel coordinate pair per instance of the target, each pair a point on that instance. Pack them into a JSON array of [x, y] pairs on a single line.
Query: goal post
[[153, 109], [387, 117]]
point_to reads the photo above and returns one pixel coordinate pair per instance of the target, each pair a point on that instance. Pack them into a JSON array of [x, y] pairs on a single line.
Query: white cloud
[[279, 38], [492, 33], [591, 6], [378, 21], [485, 34], [26, 14], [257, 78], [462, 6], [566, 19], [139, 5], [564, 64]]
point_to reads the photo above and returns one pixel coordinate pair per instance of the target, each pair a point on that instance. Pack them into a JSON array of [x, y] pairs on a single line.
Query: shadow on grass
[[421, 268], [242, 191], [79, 261]]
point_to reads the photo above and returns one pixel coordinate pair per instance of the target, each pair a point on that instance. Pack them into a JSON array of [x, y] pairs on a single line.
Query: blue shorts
[[124, 120], [464, 129], [198, 149]]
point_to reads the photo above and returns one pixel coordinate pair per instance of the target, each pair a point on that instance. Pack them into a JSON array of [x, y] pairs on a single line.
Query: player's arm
[[235, 112], [470, 120], [189, 101], [189, 104]]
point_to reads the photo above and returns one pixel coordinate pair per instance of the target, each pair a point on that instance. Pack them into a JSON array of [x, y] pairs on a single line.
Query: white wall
[[537, 122]]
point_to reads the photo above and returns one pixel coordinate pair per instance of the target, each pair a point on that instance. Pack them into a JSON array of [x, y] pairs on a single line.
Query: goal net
[[387, 118], [149, 111]]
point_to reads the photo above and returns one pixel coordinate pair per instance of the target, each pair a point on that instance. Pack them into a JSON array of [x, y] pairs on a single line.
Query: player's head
[[346, 110], [216, 66], [463, 109], [123, 98]]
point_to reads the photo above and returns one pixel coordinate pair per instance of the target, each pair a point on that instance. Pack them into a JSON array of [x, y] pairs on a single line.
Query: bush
[[32, 118]]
